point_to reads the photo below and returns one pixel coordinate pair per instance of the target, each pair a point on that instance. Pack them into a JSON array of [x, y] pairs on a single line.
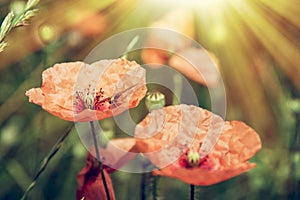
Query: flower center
[[89, 99], [193, 158]]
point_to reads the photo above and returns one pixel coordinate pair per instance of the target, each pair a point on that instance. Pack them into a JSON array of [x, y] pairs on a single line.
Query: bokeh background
[[256, 42]]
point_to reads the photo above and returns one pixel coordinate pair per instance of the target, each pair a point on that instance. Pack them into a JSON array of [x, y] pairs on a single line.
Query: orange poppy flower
[[165, 47], [77, 91], [179, 141], [179, 20], [90, 183]]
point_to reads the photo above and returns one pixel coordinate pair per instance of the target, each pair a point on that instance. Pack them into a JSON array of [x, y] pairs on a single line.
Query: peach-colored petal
[[166, 135], [117, 153], [61, 82], [177, 127], [203, 177], [197, 65]]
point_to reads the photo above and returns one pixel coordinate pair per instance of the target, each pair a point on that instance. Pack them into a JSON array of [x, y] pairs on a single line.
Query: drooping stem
[[192, 192], [46, 161], [99, 159]]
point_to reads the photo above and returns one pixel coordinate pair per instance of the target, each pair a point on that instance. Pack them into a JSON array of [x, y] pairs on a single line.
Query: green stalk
[[99, 159], [46, 161]]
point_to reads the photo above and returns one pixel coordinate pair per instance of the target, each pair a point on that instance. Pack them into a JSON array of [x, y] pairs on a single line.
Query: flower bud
[[155, 100]]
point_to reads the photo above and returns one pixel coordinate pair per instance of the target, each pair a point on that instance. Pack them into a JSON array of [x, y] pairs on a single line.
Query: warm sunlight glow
[[205, 4], [218, 33]]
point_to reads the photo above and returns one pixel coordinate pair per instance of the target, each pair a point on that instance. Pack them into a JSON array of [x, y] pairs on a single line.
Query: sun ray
[[287, 9], [248, 91], [284, 52]]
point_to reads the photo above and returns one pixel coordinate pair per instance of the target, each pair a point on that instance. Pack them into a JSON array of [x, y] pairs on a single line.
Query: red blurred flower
[[179, 20], [90, 183], [93, 25], [117, 153], [77, 91], [173, 137]]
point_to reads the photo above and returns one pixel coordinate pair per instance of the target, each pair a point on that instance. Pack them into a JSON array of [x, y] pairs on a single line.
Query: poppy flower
[[196, 146], [117, 153], [76, 91], [180, 21], [175, 50]]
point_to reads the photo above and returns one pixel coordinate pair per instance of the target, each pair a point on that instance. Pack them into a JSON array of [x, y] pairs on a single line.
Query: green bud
[[155, 100], [193, 158], [89, 101]]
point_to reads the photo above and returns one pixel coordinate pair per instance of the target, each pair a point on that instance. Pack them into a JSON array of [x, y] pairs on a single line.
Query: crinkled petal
[[166, 134]]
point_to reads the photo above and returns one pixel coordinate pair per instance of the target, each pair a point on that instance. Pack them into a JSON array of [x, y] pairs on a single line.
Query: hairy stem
[[143, 186], [99, 159]]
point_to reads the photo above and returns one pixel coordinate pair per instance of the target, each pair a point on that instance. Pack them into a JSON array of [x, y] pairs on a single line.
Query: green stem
[[192, 192], [143, 186], [99, 160], [46, 161]]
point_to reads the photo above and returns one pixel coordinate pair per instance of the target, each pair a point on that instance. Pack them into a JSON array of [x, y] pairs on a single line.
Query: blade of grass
[[46, 161]]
